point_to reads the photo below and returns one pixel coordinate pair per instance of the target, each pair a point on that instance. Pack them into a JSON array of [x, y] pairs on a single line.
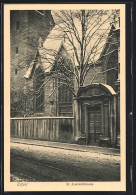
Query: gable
[[97, 89]]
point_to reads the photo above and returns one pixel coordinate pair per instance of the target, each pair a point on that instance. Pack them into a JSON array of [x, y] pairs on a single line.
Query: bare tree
[[83, 35]]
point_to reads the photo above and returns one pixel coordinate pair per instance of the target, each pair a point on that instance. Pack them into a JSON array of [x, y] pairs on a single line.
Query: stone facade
[[97, 103], [54, 101], [26, 27]]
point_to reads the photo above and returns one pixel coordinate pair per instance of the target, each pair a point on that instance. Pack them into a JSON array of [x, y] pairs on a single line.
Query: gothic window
[[65, 101], [112, 75], [65, 97], [39, 91]]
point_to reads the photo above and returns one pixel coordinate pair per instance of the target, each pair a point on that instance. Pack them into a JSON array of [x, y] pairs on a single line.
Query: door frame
[[94, 110], [87, 107]]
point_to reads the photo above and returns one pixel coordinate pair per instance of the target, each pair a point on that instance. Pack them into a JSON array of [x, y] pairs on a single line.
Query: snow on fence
[[43, 128]]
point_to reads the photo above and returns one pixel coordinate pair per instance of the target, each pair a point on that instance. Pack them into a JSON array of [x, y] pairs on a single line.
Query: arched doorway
[[97, 103]]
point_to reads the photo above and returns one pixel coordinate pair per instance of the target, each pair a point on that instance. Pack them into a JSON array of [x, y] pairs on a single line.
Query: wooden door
[[94, 124]]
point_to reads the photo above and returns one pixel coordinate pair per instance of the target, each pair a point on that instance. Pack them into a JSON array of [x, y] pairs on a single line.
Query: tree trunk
[[76, 113]]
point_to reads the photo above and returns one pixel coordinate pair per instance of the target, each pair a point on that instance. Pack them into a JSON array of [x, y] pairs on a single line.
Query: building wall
[[57, 98], [26, 27], [107, 62], [100, 78], [32, 26], [50, 97], [110, 112], [17, 59], [98, 113], [38, 26], [112, 75], [109, 77], [18, 37]]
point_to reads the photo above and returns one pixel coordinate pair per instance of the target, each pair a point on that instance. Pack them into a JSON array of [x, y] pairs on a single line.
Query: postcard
[[64, 97]]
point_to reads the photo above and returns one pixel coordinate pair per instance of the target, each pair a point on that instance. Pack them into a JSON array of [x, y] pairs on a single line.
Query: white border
[[61, 186]]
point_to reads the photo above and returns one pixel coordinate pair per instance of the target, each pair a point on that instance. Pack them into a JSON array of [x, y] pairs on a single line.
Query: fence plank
[[42, 129]]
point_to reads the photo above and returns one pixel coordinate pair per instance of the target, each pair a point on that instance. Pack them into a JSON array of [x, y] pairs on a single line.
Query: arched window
[[39, 90], [65, 101], [112, 75]]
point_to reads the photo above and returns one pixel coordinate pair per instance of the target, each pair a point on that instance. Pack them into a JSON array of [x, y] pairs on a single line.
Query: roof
[[47, 51], [56, 39], [106, 87], [97, 31], [50, 49], [109, 88]]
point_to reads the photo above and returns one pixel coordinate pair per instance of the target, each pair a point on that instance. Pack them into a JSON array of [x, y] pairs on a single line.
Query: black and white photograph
[[64, 78]]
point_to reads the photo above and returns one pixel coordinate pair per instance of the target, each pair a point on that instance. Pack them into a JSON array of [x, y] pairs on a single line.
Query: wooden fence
[[43, 128]]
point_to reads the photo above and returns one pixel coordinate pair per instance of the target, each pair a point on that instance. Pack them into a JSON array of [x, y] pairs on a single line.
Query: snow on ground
[[64, 153]]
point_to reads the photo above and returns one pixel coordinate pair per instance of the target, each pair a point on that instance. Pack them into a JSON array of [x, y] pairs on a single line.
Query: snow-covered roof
[[98, 34], [47, 51], [29, 71], [97, 31], [109, 88], [50, 49], [106, 87]]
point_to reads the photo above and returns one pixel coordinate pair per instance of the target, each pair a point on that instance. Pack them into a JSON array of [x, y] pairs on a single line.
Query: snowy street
[[38, 163]]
